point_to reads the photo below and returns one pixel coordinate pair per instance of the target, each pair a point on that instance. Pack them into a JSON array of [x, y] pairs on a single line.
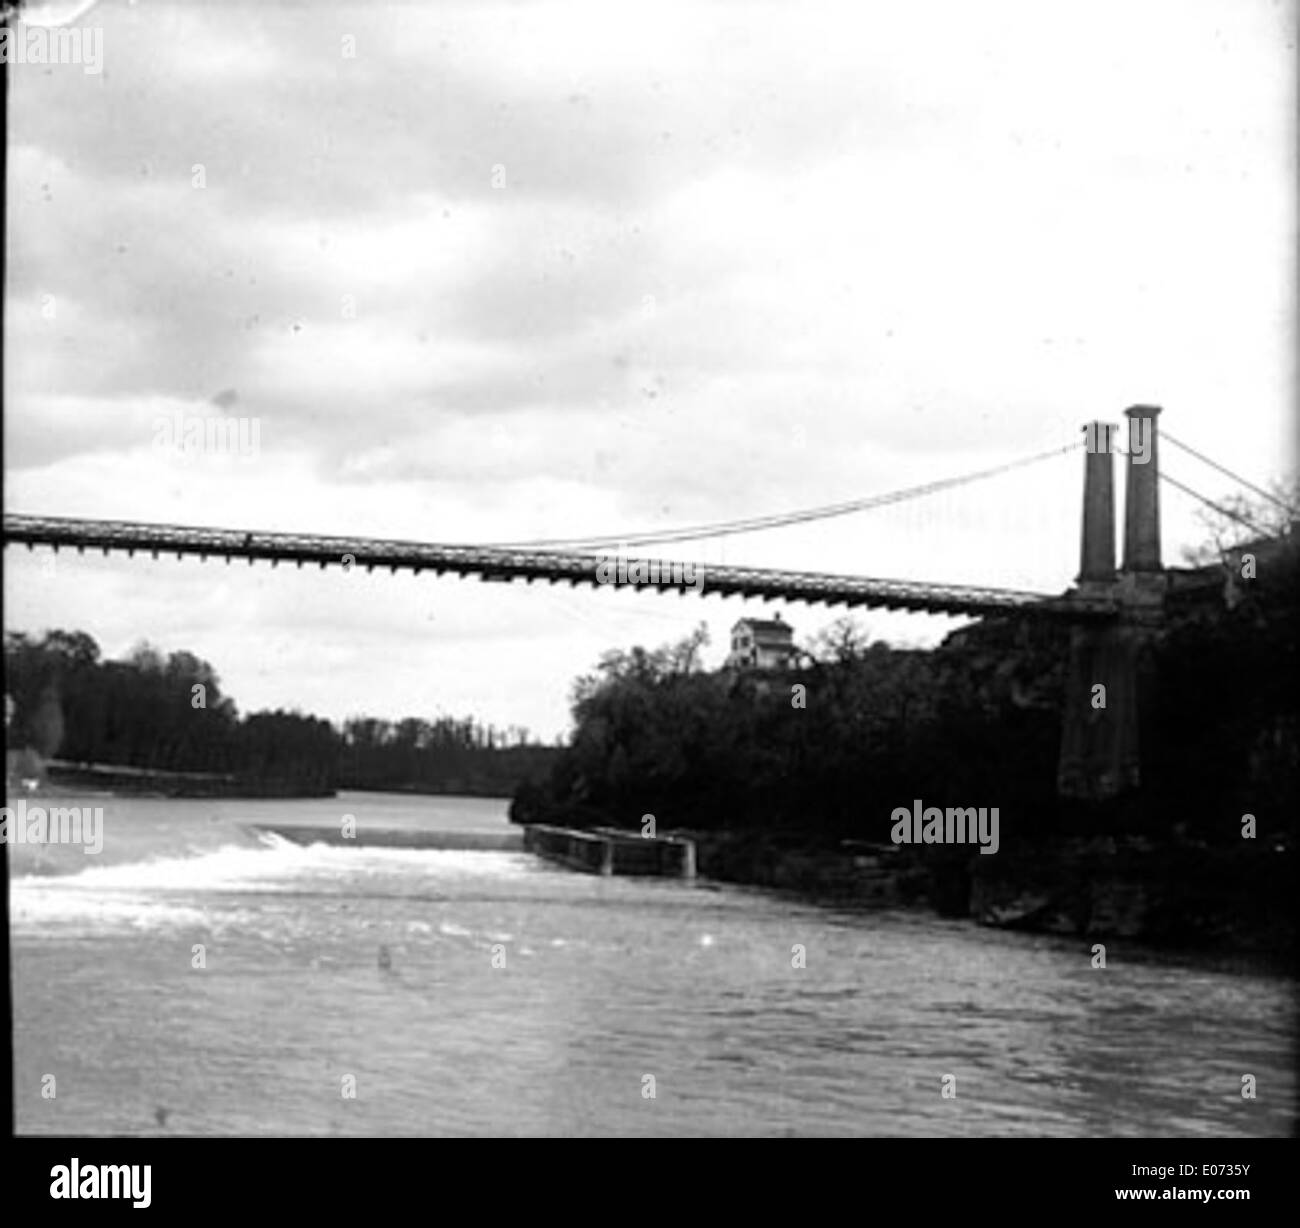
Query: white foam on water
[[168, 891], [32, 910]]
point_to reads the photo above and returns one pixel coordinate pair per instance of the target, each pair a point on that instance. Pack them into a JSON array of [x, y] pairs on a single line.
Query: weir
[[608, 850], [397, 838]]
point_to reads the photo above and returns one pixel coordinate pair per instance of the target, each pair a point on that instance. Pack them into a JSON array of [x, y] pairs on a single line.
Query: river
[[513, 997]]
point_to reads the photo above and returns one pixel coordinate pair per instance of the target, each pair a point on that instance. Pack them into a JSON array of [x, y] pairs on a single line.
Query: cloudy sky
[[489, 271]]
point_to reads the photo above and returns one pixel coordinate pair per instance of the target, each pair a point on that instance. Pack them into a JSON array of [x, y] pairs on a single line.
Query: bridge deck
[[553, 567]]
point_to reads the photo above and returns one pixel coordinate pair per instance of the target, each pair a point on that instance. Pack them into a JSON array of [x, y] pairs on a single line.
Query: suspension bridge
[[550, 566], [1113, 612]]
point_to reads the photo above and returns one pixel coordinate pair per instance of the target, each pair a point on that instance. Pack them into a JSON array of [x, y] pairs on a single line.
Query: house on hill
[[761, 643]]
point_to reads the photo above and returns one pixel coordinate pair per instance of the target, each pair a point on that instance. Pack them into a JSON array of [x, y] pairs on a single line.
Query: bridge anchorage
[[1114, 615]]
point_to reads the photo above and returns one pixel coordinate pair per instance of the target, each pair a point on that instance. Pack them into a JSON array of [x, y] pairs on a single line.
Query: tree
[[1238, 519], [844, 640]]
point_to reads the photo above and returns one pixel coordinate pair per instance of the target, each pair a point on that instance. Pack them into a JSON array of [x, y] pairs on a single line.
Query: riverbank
[[453, 786], [1173, 895], [1170, 894]]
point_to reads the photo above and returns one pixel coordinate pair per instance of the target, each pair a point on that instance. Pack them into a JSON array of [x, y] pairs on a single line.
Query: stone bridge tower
[[1109, 675]]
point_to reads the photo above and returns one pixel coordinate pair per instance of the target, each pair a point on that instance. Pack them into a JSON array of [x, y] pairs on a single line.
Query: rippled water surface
[[605, 982]]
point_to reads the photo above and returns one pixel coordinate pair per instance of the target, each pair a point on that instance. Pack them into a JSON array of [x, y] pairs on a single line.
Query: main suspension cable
[[1264, 494], [781, 520]]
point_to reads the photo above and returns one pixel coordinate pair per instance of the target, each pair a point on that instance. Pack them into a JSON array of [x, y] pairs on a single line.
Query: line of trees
[[828, 749], [168, 714], [445, 755]]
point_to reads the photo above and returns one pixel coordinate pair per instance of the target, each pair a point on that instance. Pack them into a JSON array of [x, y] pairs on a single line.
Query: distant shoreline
[[121, 780]]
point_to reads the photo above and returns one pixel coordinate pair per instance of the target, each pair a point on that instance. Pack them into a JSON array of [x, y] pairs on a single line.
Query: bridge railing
[[495, 563]]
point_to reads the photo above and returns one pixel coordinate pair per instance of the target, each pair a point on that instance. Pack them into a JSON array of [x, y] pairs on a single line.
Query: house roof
[[765, 626]]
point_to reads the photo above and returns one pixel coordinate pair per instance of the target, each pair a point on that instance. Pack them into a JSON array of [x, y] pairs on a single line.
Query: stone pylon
[[1106, 679]]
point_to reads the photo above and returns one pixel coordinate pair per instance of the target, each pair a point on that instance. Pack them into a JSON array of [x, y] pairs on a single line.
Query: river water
[[520, 998]]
